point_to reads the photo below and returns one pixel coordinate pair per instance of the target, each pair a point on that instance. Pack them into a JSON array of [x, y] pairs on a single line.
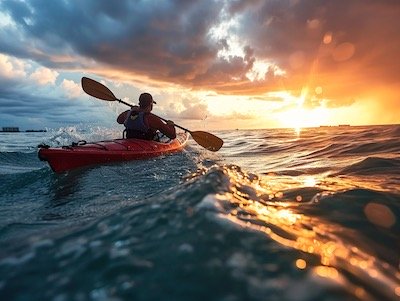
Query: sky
[[209, 64]]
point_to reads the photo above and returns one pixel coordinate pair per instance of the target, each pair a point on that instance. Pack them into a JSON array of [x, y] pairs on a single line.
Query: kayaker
[[140, 123]]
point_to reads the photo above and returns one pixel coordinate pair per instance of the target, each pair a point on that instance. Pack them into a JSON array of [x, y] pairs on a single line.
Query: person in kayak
[[140, 123]]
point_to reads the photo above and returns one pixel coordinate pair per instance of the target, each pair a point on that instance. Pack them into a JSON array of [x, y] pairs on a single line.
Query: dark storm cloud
[[170, 41], [161, 39]]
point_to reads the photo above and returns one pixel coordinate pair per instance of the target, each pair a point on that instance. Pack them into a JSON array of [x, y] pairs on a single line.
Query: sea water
[[276, 214]]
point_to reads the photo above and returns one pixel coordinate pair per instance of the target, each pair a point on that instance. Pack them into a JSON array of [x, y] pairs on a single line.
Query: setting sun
[[301, 118]]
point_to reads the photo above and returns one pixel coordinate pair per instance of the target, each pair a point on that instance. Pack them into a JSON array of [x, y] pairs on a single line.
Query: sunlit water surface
[[274, 215]]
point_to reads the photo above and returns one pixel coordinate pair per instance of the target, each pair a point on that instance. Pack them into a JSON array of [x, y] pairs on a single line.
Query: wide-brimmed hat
[[145, 99]]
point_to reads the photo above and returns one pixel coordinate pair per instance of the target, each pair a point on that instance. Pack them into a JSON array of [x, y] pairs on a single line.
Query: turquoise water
[[274, 215]]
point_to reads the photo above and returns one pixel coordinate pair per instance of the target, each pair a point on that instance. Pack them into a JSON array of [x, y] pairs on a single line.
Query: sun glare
[[300, 118]]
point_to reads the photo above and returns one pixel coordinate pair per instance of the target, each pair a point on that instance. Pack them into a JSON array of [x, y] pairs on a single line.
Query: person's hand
[[170, 122]]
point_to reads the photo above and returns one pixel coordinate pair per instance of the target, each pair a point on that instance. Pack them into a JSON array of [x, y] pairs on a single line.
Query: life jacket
[[136, 127]]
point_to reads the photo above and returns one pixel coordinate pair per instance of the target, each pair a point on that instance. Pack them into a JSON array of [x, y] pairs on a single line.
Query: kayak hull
[[102, 152]]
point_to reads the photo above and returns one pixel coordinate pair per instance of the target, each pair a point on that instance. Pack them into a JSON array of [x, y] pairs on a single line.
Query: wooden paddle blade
[[96, 89], [207, 140]]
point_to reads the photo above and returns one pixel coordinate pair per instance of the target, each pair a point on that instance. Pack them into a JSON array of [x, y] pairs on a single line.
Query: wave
[[388, 146], [350, 148], [337, 227], [67, 135], [394, 131], [373, 166], [221, 222], [310, 216], [19, 162]]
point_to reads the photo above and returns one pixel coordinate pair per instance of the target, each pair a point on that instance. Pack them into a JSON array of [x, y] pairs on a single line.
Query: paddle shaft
[[98, 90], [182, 128]]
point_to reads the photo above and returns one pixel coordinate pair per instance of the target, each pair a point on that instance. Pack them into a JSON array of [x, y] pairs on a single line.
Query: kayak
[[82, 154]]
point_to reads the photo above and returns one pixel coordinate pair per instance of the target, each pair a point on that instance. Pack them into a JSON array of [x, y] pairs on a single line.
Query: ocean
[[276, 214]]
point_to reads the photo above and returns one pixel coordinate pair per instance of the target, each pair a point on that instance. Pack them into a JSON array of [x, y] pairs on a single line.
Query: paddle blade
[[207, 140], [96, 89]]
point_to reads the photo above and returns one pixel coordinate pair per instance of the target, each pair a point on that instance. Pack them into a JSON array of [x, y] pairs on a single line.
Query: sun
[[298, 116], [301, 117]]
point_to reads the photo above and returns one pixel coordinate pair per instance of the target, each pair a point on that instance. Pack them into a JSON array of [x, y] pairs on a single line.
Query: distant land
[[331, 126], [13, 129]]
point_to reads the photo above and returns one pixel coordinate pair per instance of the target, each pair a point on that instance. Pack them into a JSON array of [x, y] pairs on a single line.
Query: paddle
[[98, 90]]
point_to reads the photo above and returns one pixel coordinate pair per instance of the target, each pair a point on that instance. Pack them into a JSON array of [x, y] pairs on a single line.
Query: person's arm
[[122, 117], [168, 129]]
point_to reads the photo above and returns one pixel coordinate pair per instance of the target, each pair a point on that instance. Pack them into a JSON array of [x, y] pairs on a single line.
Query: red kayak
[[84, 154]]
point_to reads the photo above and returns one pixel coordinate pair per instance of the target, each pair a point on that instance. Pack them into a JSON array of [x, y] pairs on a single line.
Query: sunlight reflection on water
[[339, 255]]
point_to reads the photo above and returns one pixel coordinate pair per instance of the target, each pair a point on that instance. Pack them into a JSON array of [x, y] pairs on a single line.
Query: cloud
[[11, 67], [72, 89], [194, 112], [342, 49], [27, 104], [39, 111], [349, 43], [44, 76], [172, 41], [188, 107], [239, 116]]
